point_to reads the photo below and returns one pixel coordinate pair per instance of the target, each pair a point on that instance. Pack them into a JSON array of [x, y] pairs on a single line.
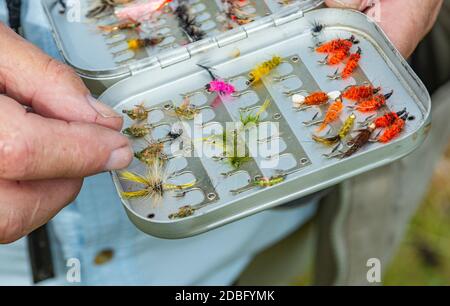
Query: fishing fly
[[265, 182], [138, 113], [108, 29], [183, 212], [350, 67], [317, 28], [357, 143], [233, 159], [221, 87], [105, 6], [301, 102], [217, 85], [153, 153], [335, 58], [264, 69], [234, 149], [373, 104], [352, 64], [138, 130], [155, 184], [186, 111], [333, 113], [262, 182], [360, 92], [174, 134], [139, 43], [188, 23], [346, 128], [336, 45], [234, 11], [249, 119], [394, 130], [384, 121]]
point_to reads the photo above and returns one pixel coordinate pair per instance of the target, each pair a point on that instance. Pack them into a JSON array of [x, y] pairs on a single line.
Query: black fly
[[317, 28]]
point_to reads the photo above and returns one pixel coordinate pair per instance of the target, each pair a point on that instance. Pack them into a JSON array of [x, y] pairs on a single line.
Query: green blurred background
[[424, 256]]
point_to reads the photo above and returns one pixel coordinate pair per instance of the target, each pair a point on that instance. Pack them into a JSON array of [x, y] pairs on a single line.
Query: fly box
[[94, 37], [261, 115]]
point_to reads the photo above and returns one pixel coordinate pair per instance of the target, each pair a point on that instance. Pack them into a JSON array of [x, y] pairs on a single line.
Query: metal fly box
[[94, 41], [190, 188]]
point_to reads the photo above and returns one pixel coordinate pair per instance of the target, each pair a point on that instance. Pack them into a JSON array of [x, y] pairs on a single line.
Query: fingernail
[[119, 159], [104, 110]]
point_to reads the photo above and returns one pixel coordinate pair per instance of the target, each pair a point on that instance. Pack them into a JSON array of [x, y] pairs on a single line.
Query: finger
[[26, 206], [393, 25], [33, 147], [405, 22], [359, 5], [51, 88]]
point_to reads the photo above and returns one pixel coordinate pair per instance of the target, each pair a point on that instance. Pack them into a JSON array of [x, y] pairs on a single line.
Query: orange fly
[[358, 93], [388, 119], [335, 58], [333, 113], [352, 64], [374, 103], [337, 45], [316, 98], [393, 131]]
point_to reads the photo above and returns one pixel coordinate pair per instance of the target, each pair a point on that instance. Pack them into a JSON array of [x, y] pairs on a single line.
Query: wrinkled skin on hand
[[406, 22], [45, 154]]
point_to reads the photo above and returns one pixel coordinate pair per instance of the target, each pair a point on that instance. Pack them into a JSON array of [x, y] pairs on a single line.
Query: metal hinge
[[164, 60], [173, 57], [287, 16], [225, 39]]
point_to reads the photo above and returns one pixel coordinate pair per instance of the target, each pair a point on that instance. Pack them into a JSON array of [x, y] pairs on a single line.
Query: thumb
[[51, 88], [359, 5], [33, 147]]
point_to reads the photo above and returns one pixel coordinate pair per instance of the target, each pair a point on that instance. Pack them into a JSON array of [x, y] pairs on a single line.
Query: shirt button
[[104, 257]]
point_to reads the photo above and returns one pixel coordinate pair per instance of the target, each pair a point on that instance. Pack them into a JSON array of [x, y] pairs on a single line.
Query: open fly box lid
[[204, 192], [100, 53]]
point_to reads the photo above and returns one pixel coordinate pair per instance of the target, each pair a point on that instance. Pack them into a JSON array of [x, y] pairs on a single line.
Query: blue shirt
[[97, 222]]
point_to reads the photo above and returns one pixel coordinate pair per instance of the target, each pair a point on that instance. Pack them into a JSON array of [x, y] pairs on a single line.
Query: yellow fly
[[264, 69], [343, 132], [154, 184]]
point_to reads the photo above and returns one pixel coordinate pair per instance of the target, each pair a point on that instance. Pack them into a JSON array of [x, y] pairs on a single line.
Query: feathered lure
[[343, 132], [154, 184], [221, 87], [105, 6], [130, 25], [264, 69]]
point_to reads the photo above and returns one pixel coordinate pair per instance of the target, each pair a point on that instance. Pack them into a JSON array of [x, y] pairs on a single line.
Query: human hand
[[45, 155], [406, 22]]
